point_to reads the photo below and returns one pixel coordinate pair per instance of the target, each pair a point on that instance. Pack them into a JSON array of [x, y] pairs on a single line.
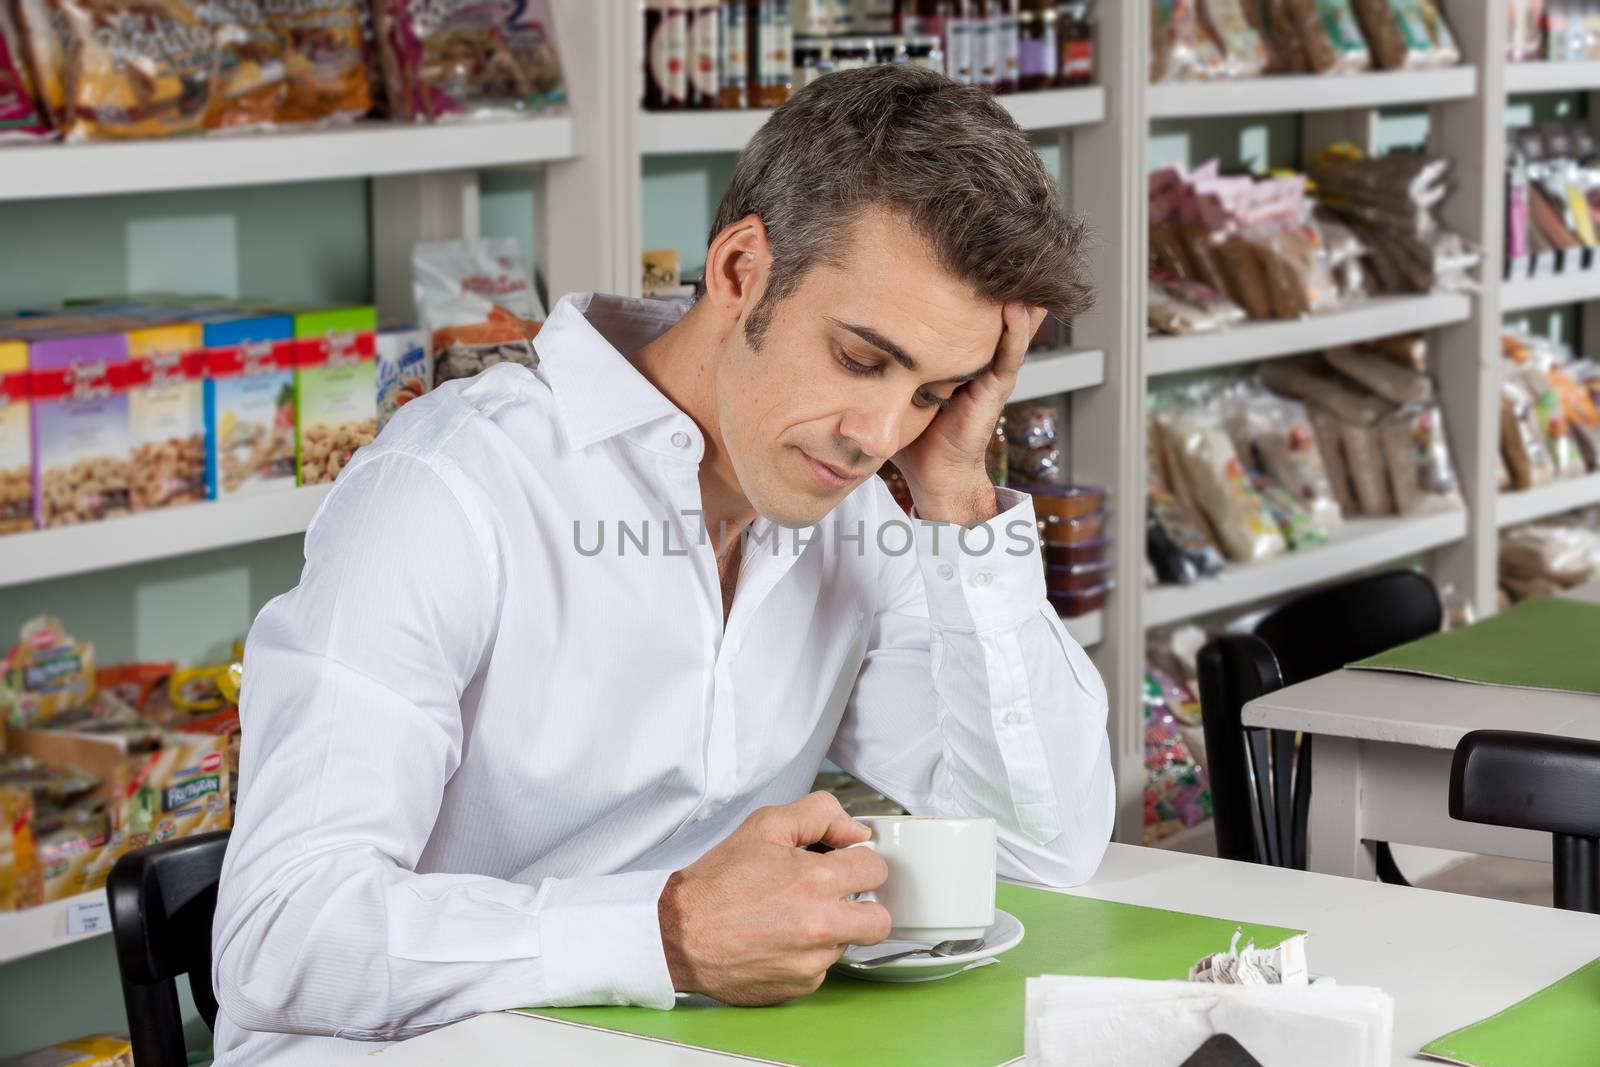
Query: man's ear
[[737, 264]]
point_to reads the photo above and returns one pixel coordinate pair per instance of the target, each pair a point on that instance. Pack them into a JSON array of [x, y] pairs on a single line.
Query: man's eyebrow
[[900, 356]]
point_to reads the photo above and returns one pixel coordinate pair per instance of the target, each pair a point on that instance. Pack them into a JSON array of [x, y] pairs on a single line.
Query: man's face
[[830, 395]]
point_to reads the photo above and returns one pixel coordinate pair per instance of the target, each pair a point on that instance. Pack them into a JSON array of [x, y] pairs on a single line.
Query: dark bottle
[[771, 52], [666, 54], [734, 70], [1077, 44], [1039, 55], [705, 54]]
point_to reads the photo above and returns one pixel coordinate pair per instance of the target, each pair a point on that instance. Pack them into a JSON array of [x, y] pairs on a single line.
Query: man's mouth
[[829, 477]]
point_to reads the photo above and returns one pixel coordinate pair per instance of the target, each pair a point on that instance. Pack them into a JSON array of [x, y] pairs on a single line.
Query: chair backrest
[[1235, 669], [162, 901], [1324, 630], [1537, 782]]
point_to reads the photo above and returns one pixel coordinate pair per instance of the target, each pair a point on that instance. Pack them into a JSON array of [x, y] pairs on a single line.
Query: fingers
[[865, 923], [855, 870], [1021, 323], [813, 818]]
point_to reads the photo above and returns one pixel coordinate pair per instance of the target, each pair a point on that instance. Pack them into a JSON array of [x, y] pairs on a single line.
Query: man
[[571, 644]]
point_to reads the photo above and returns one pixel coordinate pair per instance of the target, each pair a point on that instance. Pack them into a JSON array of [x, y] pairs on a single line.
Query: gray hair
[[946, 157]]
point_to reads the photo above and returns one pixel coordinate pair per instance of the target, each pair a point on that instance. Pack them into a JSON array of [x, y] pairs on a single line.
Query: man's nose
[[875, 430]]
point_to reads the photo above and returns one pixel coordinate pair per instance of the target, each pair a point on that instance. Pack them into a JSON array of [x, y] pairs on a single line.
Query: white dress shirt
[[474, 748]]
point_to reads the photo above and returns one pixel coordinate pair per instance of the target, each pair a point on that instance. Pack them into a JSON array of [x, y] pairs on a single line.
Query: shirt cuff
[[986, 576], [600, 938]]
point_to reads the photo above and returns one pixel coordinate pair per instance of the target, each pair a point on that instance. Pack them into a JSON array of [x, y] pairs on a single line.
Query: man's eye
[[925, 399], [853, 366]]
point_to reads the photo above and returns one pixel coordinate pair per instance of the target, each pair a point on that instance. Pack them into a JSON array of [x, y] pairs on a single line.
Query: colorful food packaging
[[476, 300], [323, 58], [135, 68], [16, 440], [461, 59], [249, 405], [21, 884], [44, 30], [252, 81], [405, 370], [46, 672], [166, 417], [21, 116], [99, 1050], [81, 439], [134, 683], [335, 389], [181, 789]]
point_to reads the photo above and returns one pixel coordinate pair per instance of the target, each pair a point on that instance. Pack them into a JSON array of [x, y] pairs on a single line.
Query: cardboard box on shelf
[[249, 404], [336, 389]]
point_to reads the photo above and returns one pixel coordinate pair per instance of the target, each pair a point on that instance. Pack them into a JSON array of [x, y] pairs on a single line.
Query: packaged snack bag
[[1330, 36], [100, 1050], [46, 672], [166, 418], [405, 370], [181, 789], [21, 116], [335, 389], [323, 57], [252, 81], [461, 58], [136, 68], [249, 404], [477, 303], [81, 440], [43, 29], [134, 683], [16, 440], [21, 884]]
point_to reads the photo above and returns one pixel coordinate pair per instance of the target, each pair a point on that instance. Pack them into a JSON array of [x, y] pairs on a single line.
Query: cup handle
[[865, 895]]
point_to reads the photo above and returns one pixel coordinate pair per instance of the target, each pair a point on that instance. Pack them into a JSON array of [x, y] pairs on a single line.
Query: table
[[1447, 960], [1380, 767]]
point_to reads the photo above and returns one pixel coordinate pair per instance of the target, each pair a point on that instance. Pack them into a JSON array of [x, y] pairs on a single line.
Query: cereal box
[[16, 440], [81, 443], [336, 389], [166, 418], [249, 405], [405, 370]]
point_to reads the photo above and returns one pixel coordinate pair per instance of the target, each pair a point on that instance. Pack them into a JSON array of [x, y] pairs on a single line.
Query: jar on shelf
[[666, 55], [810, 60], [1076, 31], [733, 89], [851, 53], [771, 53], [889, 49], [705, 54], [924, 50], [1038, 54]]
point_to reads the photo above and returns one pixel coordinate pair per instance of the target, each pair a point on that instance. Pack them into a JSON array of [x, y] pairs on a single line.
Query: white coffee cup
[[941, 875]]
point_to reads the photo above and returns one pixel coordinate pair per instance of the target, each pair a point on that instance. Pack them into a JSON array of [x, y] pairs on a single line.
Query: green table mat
[[974, 1019], [1559, 1026], [1547, 643]]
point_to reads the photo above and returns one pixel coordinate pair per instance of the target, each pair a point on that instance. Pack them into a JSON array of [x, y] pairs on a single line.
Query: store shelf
[[1549, 290], [664, 133], [1552, 77], [1050, 373], [1360, 544], [371, 149], [1087, 630], [1302, 92], [48, 926], [1378, 317], [40, 554], [1529, 504]]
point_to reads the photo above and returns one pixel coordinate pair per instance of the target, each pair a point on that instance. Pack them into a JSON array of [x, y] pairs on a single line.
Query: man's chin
[[794, 511]]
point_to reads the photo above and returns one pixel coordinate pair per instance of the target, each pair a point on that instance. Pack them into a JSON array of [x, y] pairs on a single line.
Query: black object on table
[[162, 901], [1260, 781], [1537, 782]]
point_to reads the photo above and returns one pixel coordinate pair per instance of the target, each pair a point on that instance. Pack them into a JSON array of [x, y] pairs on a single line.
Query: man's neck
[[681, 363]]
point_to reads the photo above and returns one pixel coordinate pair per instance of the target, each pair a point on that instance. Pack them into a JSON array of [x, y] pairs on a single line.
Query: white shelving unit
[[1529, 504], [1360, 545], [177, 531], [689, 132], [1552, 77], [365, 150], [1573, 287], [1049, 373], [61, 922], [1248, 342], [1303, 93]]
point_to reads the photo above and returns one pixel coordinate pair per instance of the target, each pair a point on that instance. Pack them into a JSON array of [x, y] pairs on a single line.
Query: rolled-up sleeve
[[352, 723], [974, 699]]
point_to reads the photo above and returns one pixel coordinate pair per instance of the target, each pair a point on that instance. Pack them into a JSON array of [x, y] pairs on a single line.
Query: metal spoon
[[943, 948]]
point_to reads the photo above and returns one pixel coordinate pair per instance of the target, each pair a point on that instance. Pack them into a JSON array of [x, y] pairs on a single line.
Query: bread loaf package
[[1244, 526], [1406, 34], [1369, 473], [135, 68], [1330, 446], [1421, 472], [1331, 36], [1380, 375], [22, 116], [1521, 438]]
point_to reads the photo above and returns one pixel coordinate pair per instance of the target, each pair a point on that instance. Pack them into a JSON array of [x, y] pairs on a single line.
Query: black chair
[[1260, 778], [1537, 782], [162, 900]]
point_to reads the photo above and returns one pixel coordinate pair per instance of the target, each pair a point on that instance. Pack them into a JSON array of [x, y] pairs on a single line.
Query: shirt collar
[[598, 393]]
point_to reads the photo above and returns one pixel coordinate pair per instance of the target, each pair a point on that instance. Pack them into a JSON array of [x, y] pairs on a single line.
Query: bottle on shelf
[[960, 63], [810, 60], [666, 54], [1039, 55], [734, 75], [982, 15], [1076, 31], [771, 52], [925, 50], [705, 54], [851, 53], [1007, 40]]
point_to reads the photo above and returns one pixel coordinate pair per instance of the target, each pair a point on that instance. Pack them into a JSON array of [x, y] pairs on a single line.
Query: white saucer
[[1005, 934]]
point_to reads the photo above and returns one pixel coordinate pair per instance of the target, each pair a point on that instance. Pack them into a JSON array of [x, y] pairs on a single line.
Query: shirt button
[[981, 579], [703, 814], [680, 440], [1015, 718], [945, 571]]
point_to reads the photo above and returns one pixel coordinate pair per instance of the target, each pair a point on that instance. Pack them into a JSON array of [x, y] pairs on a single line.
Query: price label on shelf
[[89, 918]]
